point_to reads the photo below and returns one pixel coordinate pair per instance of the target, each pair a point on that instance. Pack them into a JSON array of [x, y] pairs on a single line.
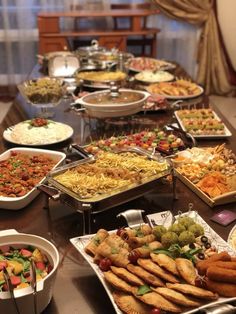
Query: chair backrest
[[128, 6]]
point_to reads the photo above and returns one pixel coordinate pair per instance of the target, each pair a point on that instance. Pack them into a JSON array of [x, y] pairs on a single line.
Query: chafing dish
[[114, 102], [110, 58], [100, 79], [87, 51], [63, 66], [99, 203]]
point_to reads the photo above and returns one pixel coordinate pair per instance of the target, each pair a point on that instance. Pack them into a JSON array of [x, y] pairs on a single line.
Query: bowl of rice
[[38, 132]]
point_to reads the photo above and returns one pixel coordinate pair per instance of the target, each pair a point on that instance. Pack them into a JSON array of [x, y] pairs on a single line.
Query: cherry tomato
[[133, 256], [120, 231], [201, 282], [155, 311], [105, 264]]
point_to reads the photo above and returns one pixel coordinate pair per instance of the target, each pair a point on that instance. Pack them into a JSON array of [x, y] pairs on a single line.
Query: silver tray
[[106, 200], [226, 133]]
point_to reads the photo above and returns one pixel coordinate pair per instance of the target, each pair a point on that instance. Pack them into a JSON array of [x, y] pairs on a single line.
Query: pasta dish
[[110, 171]]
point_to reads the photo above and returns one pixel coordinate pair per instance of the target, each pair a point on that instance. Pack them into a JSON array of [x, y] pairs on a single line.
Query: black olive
[[192, 246], [201, 256], [204, 239], [207, 245]]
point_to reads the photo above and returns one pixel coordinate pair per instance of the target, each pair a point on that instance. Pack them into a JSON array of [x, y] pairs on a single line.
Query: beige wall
[[227, 19]]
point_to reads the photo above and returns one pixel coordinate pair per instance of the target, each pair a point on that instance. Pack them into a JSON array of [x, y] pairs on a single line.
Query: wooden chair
[[125, 23]]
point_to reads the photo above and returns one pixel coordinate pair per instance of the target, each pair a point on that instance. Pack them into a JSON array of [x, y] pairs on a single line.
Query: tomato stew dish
[[20, 173]]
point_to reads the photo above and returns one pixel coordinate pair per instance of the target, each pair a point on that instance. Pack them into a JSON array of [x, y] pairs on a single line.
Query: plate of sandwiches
[[140, 274]]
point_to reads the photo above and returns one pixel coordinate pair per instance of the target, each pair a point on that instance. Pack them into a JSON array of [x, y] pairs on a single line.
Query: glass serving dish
[[43, 93]]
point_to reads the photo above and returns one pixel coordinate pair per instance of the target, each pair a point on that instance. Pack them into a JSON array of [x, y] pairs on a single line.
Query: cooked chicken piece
[[156, 300], [157, 270], [146, 276], [127, 276], [176, 297], [187, 270], [193, 290], [117, 282], [166, 262], [129, 304]]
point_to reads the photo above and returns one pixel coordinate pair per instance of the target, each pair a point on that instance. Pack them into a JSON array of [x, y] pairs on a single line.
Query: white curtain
[[177, 41], [19, 36]]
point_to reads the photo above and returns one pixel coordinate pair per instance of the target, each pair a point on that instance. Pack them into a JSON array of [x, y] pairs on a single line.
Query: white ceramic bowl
[[15, 203], [113, 109], [24, 296]]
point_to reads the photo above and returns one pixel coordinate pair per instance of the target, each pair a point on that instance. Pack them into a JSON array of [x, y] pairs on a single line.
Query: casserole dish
[[15, 203], [114, 102], [24, 297]]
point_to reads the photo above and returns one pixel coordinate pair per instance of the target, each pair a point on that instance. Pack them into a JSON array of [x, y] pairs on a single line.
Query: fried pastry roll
[[156, 300], [127, 276], [100, 236], [116, 241], [187, 270], [117, 282], [129, 304], [193, 290], [135, 242], [222, 288], [221, 274], [223, 264], [153, 268], [145, 250], [203, 265], [118, 255], [145, 275], [176, 297], [140, 231], [166, 262]]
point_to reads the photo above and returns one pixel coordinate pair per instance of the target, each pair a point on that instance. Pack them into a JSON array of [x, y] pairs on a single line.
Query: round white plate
[[201, 90], [165, 66], [232, 238], [7, 135], [152, 77]]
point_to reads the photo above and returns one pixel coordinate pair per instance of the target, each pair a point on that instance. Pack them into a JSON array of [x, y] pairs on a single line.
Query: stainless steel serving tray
[[106, 200]]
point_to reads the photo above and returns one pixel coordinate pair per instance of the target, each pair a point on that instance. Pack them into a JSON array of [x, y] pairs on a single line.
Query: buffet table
[[77, 289]]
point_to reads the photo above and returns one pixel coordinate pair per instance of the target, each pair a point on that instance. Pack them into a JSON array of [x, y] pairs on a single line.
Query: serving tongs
[[33, 284], [10, 289]]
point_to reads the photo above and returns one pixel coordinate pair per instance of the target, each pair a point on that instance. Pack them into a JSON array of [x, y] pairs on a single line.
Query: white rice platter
[[38, 132]]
